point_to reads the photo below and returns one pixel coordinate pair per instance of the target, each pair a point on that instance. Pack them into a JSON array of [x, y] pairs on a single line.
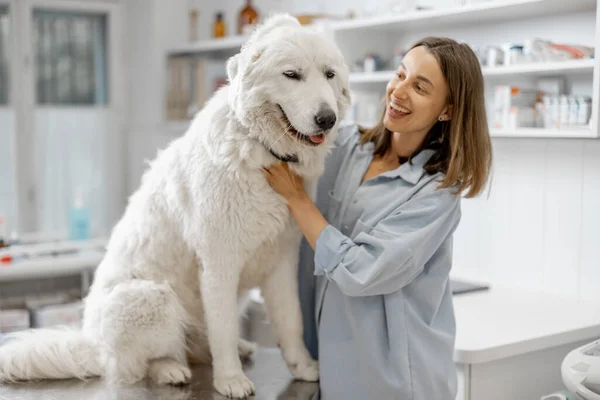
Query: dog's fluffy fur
[[204, 228]]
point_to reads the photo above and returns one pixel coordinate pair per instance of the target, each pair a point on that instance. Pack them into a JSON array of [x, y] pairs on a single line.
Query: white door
[[71, 137], [8, 93]]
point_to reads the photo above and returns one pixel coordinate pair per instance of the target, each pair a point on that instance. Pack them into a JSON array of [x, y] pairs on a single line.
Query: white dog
[[205, 227]]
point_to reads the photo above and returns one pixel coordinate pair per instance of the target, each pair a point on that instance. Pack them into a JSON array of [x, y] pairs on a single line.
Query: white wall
[[152, 26], [540, 226]]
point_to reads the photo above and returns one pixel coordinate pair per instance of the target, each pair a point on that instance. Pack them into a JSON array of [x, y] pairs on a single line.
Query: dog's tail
[[49, 354]]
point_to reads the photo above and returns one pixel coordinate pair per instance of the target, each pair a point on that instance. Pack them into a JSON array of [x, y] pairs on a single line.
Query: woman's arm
[[384, 259], [388, 256]]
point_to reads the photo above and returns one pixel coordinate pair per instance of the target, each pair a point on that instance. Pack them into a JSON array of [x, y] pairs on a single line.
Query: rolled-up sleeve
[[394, 251]]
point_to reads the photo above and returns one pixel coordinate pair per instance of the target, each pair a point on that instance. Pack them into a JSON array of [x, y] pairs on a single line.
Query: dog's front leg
[[219, 286], [280, 291]]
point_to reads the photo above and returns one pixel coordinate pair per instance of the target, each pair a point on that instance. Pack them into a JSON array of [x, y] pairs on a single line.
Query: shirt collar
[[409, 171], [412, 171]]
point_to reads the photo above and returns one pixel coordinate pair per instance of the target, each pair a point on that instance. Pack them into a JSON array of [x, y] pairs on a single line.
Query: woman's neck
[[404, 145]]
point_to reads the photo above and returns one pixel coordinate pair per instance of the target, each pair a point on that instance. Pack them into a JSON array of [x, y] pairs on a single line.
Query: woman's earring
[[441, 118]]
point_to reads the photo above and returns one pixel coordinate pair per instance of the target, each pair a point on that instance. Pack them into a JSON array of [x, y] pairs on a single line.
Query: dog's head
[[289, 87]]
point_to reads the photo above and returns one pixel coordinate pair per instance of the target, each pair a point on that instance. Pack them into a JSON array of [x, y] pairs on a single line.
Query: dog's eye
[[329, 74], [292, 75]]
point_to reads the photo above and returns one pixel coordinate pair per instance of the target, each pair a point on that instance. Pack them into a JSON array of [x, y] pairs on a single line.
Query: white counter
[[510, 343], [48, 267], [88, 255]]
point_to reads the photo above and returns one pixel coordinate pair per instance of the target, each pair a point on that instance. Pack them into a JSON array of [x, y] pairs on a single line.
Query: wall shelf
[[491, 11], [209, 46], [531, 69], [575, 132], [567, 133], [543, 68]]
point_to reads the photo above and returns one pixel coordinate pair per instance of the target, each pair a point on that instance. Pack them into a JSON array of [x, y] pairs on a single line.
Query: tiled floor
[[267, 370]]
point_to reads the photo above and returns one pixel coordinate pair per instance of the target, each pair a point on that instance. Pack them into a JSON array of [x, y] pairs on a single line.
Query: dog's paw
[[245, 348], [306, 371], [169, 372], [301, 364], [237, 386]]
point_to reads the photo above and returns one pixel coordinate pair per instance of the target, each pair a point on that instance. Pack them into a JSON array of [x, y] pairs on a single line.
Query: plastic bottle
[[79, 218], [369, 63], [564, 111], [219, 29]]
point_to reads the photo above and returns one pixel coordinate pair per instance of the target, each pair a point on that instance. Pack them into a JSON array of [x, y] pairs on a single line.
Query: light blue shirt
[[377, 287]]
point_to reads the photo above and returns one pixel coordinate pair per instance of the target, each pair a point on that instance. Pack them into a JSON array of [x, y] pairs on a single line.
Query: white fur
[[203, 228]]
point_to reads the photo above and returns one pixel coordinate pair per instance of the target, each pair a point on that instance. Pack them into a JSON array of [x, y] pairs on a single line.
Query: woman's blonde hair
[[463, 146]]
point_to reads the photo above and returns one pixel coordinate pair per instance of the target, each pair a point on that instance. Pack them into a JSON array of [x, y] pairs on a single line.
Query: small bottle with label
[[219, 28], [193, 25], [79, 218], [369, 63], [564, 111]]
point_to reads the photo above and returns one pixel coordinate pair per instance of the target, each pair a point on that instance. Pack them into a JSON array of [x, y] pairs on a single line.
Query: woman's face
[[417, 96]]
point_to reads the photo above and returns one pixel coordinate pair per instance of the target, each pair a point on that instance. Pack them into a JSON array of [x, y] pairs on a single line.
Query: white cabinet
[[510, 344]]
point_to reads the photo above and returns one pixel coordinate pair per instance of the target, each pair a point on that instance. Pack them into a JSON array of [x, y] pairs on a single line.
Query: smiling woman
[[436, 101]]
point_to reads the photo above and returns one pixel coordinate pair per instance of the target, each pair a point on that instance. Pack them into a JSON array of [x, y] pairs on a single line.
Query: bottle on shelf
[[79, 218], [247, 17], [219, 28], [193, 25]]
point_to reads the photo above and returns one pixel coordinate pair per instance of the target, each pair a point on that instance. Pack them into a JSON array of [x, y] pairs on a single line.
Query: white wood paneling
[[7, 167], [540, 227], [589, 268], [562, 214]]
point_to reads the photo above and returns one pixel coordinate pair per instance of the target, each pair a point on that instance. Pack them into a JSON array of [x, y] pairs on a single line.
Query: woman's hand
[[305, 212], [285, 182]]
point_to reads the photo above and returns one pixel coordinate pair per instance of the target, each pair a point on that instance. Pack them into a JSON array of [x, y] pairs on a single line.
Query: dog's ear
[[232, 67]]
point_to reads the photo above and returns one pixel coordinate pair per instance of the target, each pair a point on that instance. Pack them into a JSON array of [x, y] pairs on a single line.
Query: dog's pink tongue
[[317, 138]]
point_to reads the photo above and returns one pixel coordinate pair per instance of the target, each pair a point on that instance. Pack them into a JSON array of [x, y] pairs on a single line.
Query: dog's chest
[[276, 234], [269, 256]]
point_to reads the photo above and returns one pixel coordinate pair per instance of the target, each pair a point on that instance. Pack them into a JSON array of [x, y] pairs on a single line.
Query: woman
[[378, 238]]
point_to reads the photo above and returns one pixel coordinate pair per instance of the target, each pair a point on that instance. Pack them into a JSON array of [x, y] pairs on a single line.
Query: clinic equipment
[[581, 371]]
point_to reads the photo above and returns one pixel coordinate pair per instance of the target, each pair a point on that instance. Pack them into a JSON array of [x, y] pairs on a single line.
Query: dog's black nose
[[325, 118]]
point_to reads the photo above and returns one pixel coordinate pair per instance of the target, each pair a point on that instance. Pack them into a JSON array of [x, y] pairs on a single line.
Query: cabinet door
[[463, 383]]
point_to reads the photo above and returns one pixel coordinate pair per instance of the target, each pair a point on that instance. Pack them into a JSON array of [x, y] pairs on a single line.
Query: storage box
[[60, 314], [14, 320], [55, 309]]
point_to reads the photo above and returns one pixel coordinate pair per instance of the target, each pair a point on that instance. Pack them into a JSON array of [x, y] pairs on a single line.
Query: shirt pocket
[[370, 229], [361, 227]]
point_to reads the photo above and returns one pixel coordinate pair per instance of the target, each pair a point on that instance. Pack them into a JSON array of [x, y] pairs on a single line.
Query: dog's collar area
[[286, 158]]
